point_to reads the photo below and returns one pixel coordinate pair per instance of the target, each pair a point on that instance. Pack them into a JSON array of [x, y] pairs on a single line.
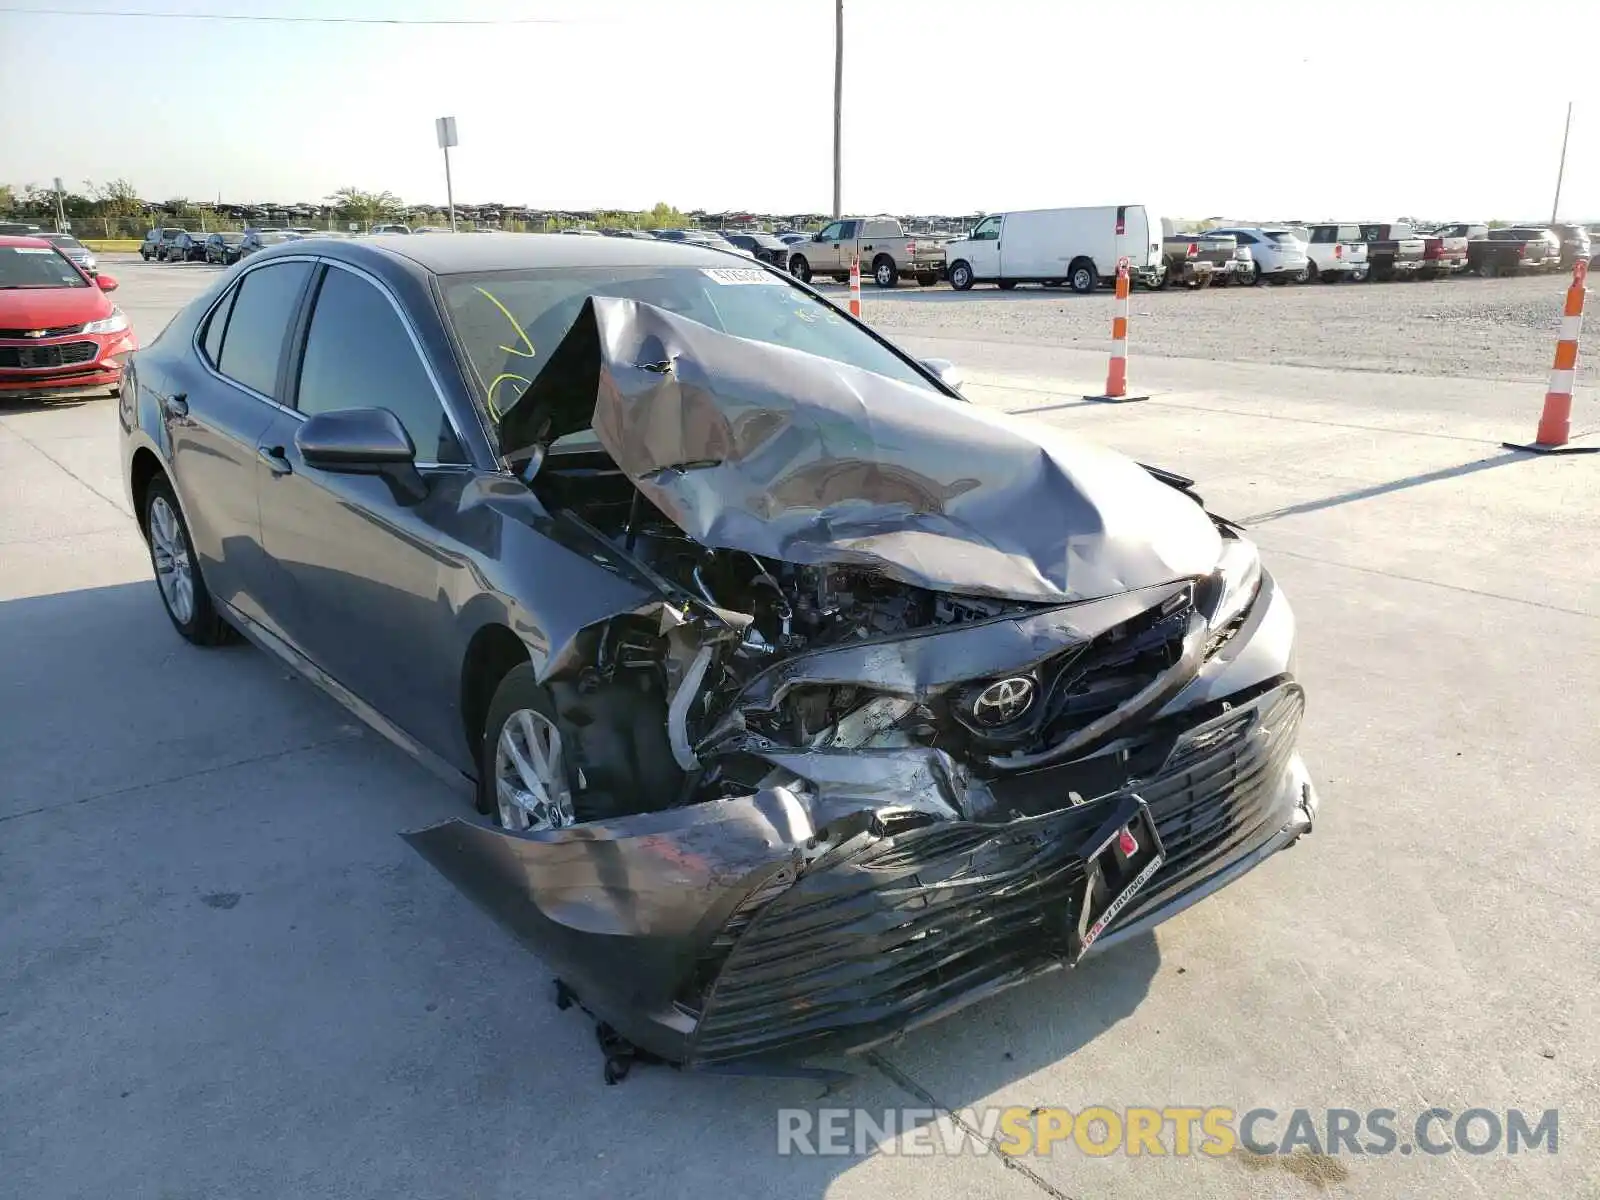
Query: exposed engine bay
[[757, 671]]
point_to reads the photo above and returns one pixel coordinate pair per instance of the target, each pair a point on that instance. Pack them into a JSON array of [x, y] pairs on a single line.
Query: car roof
[[517, 251]]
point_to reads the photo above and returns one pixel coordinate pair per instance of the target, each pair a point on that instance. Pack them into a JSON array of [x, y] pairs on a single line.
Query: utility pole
[[1560, 171], [838, 97]]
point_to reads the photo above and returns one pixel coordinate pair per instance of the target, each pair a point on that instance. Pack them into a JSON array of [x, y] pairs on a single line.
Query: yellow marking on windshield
[[506, 312], [494, 409], [530, 352]]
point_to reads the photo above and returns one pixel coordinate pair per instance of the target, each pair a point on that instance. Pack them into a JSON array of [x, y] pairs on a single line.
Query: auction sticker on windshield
[[741, 275]]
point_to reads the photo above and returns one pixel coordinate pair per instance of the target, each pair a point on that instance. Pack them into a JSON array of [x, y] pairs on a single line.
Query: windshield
[[37, 267], [508, 322]]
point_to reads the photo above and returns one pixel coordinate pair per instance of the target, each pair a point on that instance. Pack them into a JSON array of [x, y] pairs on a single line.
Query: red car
[[59, 332]]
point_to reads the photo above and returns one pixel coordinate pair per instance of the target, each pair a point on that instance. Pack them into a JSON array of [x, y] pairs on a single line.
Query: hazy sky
[[1286, 109]]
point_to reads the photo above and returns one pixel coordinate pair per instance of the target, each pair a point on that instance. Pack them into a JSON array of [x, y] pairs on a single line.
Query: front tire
[[1084, 278], [183, 592], [961, 275], [800, 268], [1006, 285], [884, 273], [1311, 272]]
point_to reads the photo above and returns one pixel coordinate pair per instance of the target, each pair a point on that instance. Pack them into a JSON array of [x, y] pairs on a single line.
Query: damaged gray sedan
[[803, 702]]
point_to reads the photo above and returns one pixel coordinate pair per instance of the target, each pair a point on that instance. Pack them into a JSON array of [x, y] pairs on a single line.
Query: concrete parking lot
[[223, 974]]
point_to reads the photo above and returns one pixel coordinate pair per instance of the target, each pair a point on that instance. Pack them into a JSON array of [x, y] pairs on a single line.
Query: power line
[[283, 20]]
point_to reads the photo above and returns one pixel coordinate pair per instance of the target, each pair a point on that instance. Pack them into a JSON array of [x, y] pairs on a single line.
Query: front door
[[830, 253], [363, 576], [984, 254]]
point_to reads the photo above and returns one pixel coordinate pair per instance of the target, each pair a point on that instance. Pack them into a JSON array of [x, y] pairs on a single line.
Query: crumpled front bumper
[[749, 936]]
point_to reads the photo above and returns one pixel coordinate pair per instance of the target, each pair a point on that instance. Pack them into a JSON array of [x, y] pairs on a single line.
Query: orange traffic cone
[[1555, 422], [1117, 372]]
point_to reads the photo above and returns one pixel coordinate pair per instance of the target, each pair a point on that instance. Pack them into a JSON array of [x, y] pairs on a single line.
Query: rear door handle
[[177, 404], [274, 459]]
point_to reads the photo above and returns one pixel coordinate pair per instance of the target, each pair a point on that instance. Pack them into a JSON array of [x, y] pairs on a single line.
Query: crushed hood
[[755, 447]]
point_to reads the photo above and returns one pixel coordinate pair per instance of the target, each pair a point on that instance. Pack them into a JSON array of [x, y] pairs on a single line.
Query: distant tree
[[353, 204], [8, 197], [114, 198], [664, 216]]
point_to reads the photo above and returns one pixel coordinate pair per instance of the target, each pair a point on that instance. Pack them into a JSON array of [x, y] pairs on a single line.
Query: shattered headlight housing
[[1239, 571]]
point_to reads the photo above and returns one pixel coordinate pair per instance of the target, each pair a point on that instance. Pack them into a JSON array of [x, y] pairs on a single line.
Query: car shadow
[[200, 861], [51, 403]]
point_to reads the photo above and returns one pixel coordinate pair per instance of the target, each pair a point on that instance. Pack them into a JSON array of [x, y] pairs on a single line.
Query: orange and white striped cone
[[1117, 372], [1555, 422], [855, 286]]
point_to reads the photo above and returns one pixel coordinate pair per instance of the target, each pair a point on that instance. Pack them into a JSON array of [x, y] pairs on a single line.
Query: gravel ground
[[1484, 328]]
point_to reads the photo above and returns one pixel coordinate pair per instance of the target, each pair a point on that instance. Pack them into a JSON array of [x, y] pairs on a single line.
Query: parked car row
[[1059, 247]]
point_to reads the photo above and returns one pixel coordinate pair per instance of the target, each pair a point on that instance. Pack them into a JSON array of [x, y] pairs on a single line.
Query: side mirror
[[945, 371], [106, 283], [363, 441]]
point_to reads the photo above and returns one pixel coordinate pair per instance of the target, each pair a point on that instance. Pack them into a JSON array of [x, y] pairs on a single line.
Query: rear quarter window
[[252, 346]]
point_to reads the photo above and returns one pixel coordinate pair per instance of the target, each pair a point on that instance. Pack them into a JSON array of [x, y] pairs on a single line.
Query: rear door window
[[252, 346]]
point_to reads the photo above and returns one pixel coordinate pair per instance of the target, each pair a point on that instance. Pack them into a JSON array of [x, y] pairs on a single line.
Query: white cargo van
[[1077, 246]]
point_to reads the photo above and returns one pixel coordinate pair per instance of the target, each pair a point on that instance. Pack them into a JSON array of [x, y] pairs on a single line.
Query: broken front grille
[[917, 925]]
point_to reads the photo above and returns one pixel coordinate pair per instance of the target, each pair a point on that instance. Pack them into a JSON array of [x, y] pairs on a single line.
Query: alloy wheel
[[530, 779], [169, 551]]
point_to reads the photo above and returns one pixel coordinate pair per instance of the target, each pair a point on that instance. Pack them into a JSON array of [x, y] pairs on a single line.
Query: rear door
[[213, 427], [360, 575]]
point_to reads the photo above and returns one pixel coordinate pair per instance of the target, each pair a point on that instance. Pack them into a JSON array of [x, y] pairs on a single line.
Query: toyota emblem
[[1003, 702]]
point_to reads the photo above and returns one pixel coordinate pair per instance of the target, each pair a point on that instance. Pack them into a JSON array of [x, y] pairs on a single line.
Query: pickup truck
[[1196, 260], [1336, 252], [1510, 251], [886, 252], [1445, 254], [1393, 250]]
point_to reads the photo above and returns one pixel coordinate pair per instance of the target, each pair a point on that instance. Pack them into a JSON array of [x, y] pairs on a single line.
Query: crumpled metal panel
[[761, 448]]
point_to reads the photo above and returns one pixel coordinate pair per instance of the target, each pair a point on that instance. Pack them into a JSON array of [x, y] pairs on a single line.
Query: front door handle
[[177, 404], [274, 459]]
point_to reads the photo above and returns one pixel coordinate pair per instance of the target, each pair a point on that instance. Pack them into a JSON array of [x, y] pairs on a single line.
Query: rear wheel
[[183, 591], [961, 275], [927, 280], [800, 268]]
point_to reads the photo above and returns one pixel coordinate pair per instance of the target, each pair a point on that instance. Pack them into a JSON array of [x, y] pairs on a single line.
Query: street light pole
[[838, 97], [1562, 170]]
